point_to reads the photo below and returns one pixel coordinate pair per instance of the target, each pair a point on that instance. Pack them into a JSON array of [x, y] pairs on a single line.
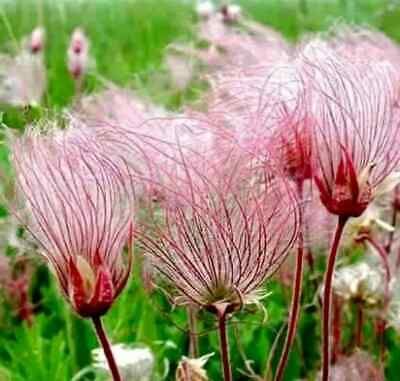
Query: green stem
[[193, 339]]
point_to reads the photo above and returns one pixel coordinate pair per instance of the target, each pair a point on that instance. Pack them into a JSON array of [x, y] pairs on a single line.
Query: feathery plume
[[354, 105], [80, 211]]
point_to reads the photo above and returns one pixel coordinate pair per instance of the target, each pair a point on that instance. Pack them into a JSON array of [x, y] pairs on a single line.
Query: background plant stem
[[296, 298]]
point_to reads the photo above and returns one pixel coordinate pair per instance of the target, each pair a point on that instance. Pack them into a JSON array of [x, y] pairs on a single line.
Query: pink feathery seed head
[[78, 54], [37, 40], [292, 145], [79, 208], [356, 130], [231, 48], [361, 44], [219, 245], [266, 110]]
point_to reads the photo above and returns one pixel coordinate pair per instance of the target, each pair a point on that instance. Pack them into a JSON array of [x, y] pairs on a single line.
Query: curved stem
[[224, 345], [102, 336], [326, 321], [295, 303]]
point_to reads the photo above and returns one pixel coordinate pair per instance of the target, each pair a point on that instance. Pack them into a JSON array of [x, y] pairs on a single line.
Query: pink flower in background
[[78, 54], [37, 40], [79, 207], [357, 128], [23, 76]]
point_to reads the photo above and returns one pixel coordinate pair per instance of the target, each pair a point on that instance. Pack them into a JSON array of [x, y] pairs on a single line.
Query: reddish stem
[[224, 345], [326, 323], [337, 329], [295, 303], [102, 336], [380, 327]]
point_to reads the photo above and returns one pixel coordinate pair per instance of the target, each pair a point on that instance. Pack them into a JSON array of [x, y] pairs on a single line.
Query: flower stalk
[[102, 336], [223, 341], [296, 299], [193, 339], [327, 301]]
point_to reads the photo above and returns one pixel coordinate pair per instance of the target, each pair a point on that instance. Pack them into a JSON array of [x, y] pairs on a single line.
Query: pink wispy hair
[[356, 114], [362, 44], [78, 205], [115, 106], [228, 50], [149, 137], [266, 109], [252, 44], [218, 243]]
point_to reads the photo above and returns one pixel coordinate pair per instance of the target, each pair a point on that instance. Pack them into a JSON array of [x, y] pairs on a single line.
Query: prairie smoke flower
[[81, 214], [356, 114], [149, 137], [217, 245], [37, 40], [354, 105], [78, 56], [135, 364], [79, 209]]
